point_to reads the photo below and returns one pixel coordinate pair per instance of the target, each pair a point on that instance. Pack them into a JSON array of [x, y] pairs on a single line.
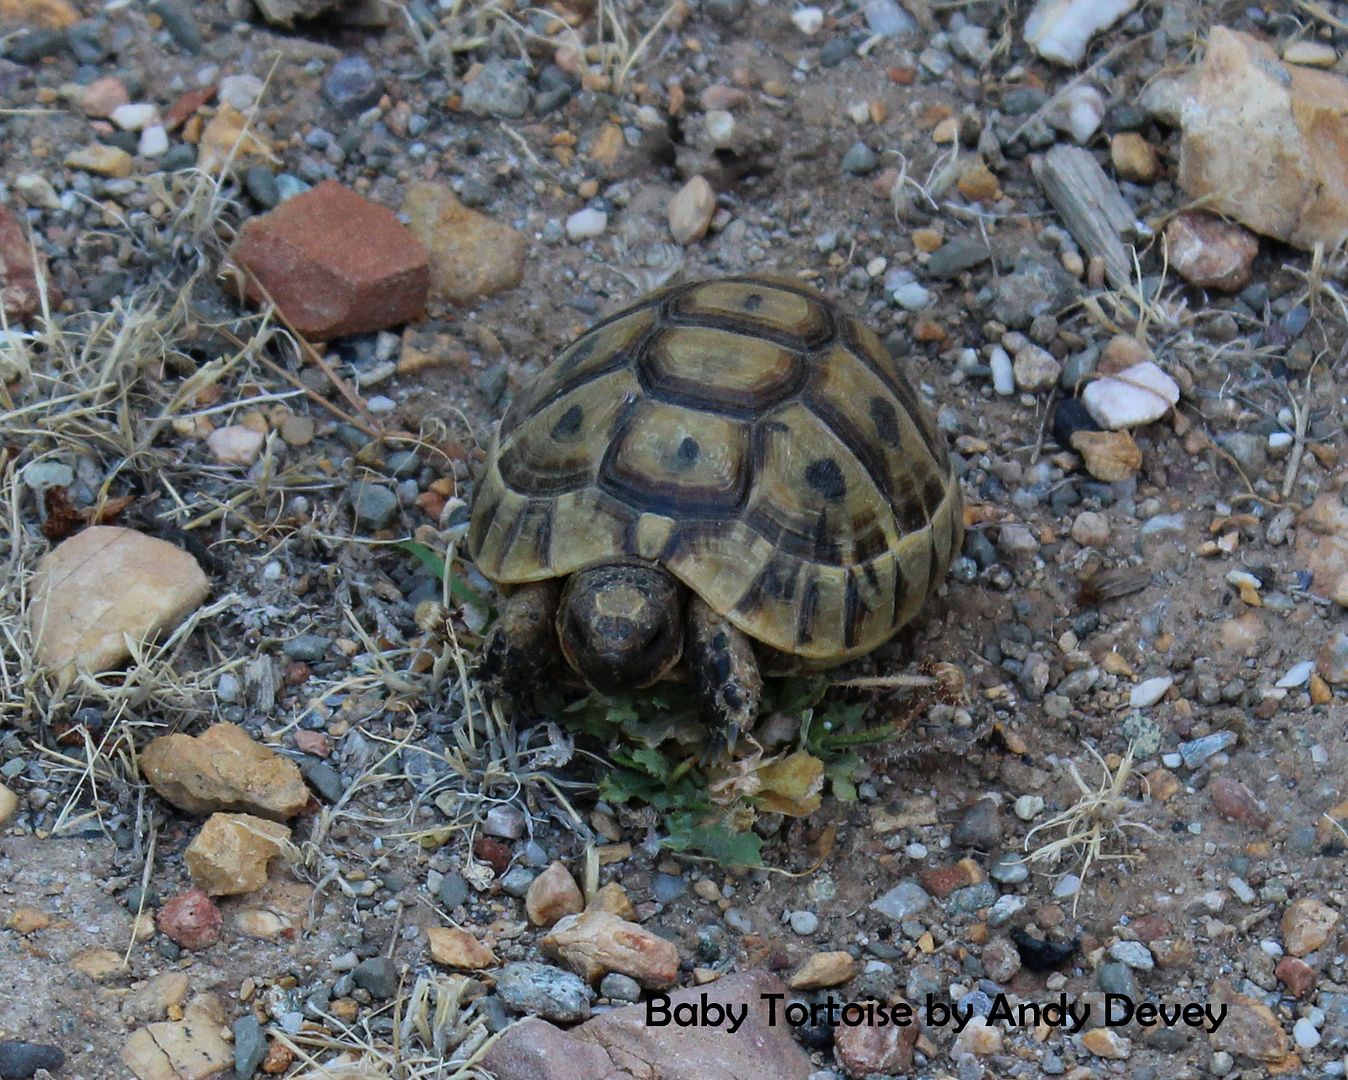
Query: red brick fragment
[[334, 262], [19, 289], [191, 920]]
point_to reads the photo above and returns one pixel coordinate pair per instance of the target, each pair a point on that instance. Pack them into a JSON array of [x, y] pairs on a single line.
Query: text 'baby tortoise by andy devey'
[[726, 468]]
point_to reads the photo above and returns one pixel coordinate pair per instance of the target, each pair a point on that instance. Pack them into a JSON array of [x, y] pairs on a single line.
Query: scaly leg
[[725, 676], [522, 645]]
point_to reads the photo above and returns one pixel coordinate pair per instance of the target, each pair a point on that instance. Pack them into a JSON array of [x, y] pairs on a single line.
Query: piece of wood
[[1091, 206]]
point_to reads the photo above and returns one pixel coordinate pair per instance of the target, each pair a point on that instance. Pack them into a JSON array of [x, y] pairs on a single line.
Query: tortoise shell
[[750, 437]]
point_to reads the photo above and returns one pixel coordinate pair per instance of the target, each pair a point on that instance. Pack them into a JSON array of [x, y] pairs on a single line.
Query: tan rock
[[1306, 926], [1209, 252], [1121, 352], [154, 1000], [552, 895], [978, 183], [280, 907], [235, 444], [594, 943], [104, 160], [224, 769], [230, 142], [47, 14], [978, 1038], [23, 271], [102, 96], [824, 969], [230, 854], [471, 255], [9, 802], [106, 584], [613, 898], [1250, 1029], [1108, 455], [98, 964], [1319, 54], [1107, 1043], [1322, 542], [454, 948], [27, 920], [192, 1048], [1262, 142], [1134, 158], [691, 211]]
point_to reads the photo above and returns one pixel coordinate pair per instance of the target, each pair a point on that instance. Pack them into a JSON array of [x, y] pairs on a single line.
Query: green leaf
[[425, 556], [716, 841], [840, 775], [457, 587]]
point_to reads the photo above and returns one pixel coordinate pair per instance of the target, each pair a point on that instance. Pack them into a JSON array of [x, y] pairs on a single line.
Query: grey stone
[[956, 256], [619, 987], [544, 990], [1009, 868], [904, 899], [307, 647], [260, 183], [352, 85], [668, 887], [373, 505], [324, 779], [517, 880], [377, 976], [1038, 285], [972, 898], [180, 24], [21, 1060], [501, 89], [860, 160], [1117, 978], [250, 1046], [980, 827], [453, 891], [835, 51]]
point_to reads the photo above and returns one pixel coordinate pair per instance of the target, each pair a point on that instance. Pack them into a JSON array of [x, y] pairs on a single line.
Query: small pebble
[[586, 224]]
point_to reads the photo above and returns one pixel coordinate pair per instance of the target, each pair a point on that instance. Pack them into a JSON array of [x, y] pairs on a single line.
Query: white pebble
[[240, 91], [911, 296], [720, 128], [1305, 1035], [916, 850], [1241, 888], [1134, 396], [1059, 30], [808, 20], [154, 142], [1028, 807], [1003, 375], [1279, 440], [1148, 693], [1172, 761], [1270, 947], [804, 923], [1297, 675], [135, 115], [1067, 885], [586, 224]]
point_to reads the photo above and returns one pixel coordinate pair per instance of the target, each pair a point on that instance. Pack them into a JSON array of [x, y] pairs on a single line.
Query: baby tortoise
[[727, 472]]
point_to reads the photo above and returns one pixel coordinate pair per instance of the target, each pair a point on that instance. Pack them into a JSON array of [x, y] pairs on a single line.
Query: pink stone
[[191, 920]]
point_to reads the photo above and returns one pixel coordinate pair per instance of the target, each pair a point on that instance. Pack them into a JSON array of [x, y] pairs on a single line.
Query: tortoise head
[[621, 625]]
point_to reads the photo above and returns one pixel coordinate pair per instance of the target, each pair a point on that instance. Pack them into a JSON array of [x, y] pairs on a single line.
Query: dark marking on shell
[[826, 477]]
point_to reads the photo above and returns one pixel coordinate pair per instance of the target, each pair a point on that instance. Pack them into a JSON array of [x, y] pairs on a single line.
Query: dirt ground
[[1217, 850]]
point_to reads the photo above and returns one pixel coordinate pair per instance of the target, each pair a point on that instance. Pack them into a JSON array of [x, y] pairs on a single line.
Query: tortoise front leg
[[724, 674], [522, 645]]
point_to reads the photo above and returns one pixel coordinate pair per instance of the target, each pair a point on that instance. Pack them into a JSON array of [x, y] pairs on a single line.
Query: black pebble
[[20, 1060], [1038, 955], [1070, 417]]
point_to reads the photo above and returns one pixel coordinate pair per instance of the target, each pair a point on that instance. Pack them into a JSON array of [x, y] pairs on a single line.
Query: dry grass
[[608, 45], [1100, 818]]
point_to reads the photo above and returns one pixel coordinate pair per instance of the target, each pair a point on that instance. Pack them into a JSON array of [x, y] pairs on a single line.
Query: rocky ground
[[271, 273]]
